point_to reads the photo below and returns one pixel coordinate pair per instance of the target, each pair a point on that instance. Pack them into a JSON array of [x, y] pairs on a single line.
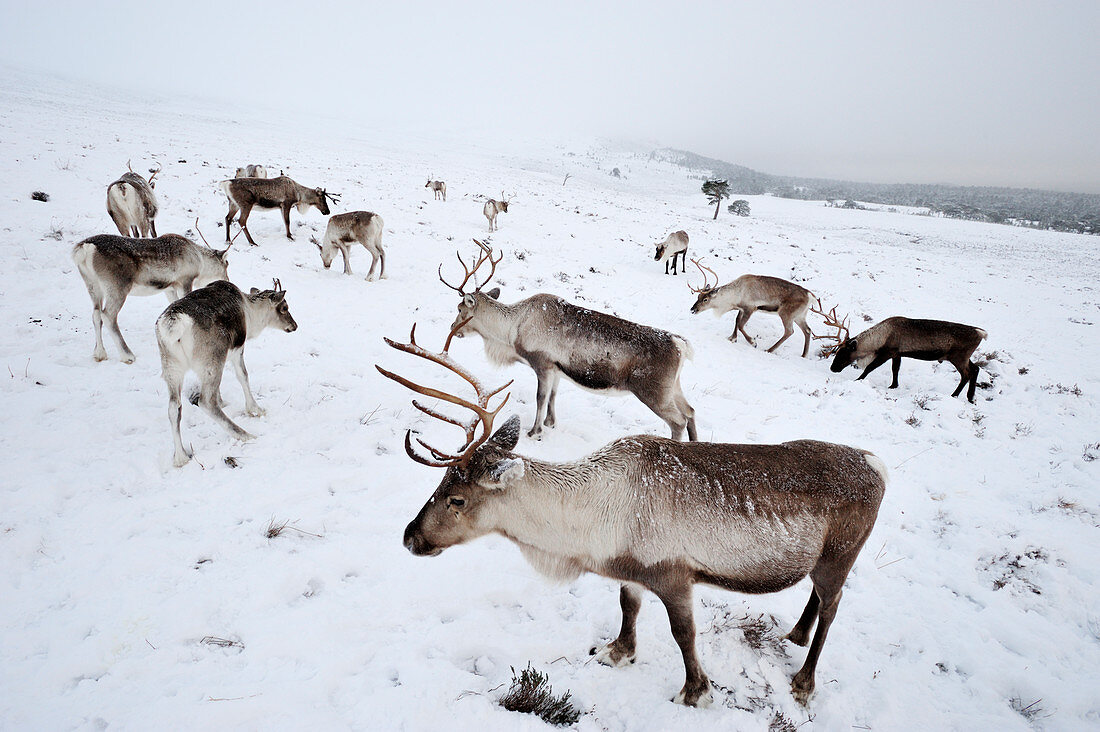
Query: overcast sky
[[974, 93]]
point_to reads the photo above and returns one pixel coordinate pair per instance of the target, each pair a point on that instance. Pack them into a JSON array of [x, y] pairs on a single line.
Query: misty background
[[976, 93]]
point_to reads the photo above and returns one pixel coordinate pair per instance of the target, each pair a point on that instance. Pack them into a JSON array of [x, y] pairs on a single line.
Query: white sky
[[974, 93]]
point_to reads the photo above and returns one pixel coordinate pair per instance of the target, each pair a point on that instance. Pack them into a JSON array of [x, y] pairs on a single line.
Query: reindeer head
[[473, 301], [846, 353], [476, 474], [215, 262], [704, 294], [276, 312], [319, 198], [328, 251]]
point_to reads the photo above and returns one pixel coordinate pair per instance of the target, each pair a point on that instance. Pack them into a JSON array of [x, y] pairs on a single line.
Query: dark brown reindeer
[[749, 293], [281, 193], [593, 349], [925, 340], [655, 514], [132, 205]]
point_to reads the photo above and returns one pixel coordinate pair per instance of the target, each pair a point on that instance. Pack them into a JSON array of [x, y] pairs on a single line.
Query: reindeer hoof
[[180, 460], [611, 655], [535, 435], [700, 700], [256, 412], [99, 356], [799, 639], [128, 358]]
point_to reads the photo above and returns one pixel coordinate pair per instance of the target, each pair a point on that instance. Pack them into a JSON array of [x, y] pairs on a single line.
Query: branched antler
[[485, 256], [334, 197], [154, 174], [482, 414], [204, 241], [706, 278], [833, 321]]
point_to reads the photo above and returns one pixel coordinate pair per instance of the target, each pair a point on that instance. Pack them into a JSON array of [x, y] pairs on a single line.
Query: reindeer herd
[[651, 513]]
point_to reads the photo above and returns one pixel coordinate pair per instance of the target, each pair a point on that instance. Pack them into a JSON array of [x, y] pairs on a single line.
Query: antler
[[204, 241], [154, 173], [832, 321], [128, 166], [334, 197], [482, 414], [278, 285], [706, 278], [485, 256]]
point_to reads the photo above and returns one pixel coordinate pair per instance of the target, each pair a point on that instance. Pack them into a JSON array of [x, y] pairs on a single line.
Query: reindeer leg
[[153, 228], [542, 398], [807, 332], [173, 373], [373, 263], [120, 222], [111, 308], [99, 353], [878, 361], [286, 220], [551, 417], [973, 382], [743, 318], [800, 633], [211, 384], [233, 210], [382, 259], [895, 366], [243, 221], [678, 603], [623, 650], [788, 330], [346, 251], [236, 357]]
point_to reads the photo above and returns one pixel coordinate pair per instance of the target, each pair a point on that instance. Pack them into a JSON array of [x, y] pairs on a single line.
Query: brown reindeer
[[593, 349], [749, 293], [655, 514], [281, 193], [439, 188], [925, 340]]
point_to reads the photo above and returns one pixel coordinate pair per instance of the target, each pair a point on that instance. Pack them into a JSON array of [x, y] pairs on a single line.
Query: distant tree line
[[1059, 211]]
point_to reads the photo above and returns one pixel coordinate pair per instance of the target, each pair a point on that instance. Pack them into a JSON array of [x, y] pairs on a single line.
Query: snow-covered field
[[973, 606]]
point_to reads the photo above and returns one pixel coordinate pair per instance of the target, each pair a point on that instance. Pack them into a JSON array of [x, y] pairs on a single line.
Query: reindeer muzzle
[[418, 545]]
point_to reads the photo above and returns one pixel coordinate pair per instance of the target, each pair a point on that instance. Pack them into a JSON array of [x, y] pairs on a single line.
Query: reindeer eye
[[456, 501]]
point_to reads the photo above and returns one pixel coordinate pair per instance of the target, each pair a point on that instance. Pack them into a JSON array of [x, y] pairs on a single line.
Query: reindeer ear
[[508, 435], [494, 293], [279, 296], [254, 291], [504, 473], [468, 300]]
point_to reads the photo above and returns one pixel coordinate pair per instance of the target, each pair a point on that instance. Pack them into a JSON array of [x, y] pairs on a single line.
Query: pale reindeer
[[593, 349], [926, 340], [749, 293], [493, 207], [251, 171], [656, 514], [114, 267], [281, 193], [132, 205], [199, 332], [675, 245], [347, 228], [438, 188]]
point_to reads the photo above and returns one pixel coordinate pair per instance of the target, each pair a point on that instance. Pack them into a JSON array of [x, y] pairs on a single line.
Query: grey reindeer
[[282, 193], [132, 205]]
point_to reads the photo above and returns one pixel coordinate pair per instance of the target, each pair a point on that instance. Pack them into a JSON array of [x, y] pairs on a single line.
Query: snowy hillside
[[974, 605]]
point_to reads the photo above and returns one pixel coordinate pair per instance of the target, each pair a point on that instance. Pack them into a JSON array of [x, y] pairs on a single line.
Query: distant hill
[[1072, 212]]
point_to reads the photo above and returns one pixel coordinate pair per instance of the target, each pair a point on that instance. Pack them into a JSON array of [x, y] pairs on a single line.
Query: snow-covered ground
[[973, 606]]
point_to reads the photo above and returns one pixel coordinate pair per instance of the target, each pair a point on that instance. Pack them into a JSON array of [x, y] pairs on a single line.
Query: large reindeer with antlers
[[132, 205], [493, 207], [655, 514], [595, 350], [749, 293], [281, 193]]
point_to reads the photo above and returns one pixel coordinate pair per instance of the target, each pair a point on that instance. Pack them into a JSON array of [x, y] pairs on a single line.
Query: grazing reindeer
[[749, 293], [438, 187], [251, 171], [596, 350], [926, 340], [116, 266], [199, 331], [282, 193], [656, 514], [493, 207], [675, 245], [132, 204], [356, 226]]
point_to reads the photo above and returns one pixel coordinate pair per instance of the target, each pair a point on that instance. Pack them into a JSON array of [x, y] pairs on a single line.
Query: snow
[[975, 596]]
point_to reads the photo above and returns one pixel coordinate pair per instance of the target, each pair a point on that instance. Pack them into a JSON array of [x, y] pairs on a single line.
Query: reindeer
[[675, 245], [116, 266], [132, 204], [343, 229], [282, 193], [493, 207], [655, 514], [251, 171], [439, 187], [926, 340], [595, 350], [199, 331], [749, 293]]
